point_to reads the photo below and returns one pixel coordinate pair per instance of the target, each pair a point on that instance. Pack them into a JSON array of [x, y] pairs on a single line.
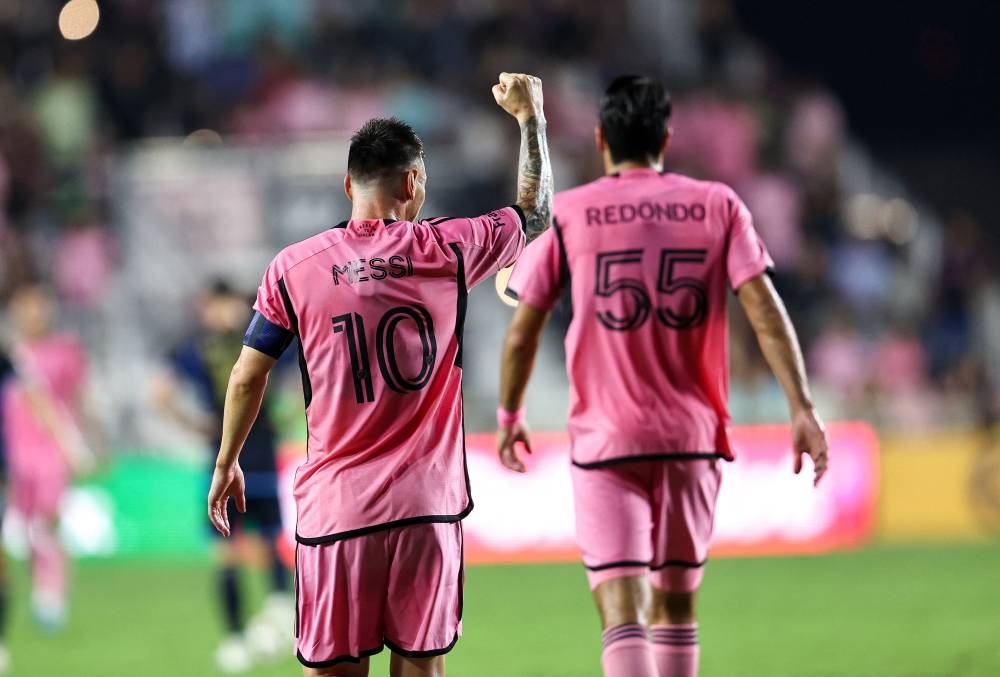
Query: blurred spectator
[[257, 70]]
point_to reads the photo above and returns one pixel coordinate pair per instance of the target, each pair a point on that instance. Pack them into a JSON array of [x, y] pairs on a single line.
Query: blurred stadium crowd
[[899, 308]]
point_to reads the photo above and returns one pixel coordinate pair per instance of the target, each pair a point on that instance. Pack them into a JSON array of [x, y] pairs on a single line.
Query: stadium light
[[78, 19]]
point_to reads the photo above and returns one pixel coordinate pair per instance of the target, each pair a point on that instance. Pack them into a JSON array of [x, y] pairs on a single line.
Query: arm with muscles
[[243, 399], [521, 96], [518, 359], [780, 346]]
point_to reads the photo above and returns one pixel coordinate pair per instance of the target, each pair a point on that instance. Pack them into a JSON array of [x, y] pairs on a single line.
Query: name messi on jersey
[[645, 211], [375, 268]]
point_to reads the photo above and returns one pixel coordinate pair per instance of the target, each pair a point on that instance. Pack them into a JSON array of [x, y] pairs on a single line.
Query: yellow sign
[[939, 486]]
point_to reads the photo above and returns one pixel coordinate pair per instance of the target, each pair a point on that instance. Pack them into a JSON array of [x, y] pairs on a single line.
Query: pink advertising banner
[[763, 509]]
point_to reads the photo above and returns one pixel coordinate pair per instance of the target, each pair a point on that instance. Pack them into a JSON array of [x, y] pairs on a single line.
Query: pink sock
[[675, 649], [49, 564], [626, 652]]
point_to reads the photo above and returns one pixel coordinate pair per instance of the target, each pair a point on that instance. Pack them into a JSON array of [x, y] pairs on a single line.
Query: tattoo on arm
[[534, 178]]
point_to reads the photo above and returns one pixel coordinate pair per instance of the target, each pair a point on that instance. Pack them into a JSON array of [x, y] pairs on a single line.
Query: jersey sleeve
[[488, 243], [271, 330], [537, 279], [746, 255], [270, 301]]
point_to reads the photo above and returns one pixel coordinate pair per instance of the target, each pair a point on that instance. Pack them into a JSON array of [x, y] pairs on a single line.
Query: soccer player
[[42, 410], [203, 361], [378, 304], [646, 257]]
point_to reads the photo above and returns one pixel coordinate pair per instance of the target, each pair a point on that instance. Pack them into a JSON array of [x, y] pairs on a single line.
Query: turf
[[882, 611]]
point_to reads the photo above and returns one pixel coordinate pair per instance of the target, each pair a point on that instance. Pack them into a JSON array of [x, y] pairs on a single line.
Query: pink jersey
[[378, 307], [648, 258], [56, 365]]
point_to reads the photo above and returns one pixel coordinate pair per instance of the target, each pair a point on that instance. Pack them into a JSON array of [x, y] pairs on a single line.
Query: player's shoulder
[[297, 252], [581, 194], [449, 229], [707, 188]]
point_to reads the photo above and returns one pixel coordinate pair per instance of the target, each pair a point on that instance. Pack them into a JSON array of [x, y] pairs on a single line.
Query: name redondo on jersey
[[645, 211], [375, 268]]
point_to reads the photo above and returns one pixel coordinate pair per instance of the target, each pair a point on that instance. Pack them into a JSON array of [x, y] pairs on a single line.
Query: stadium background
[[189, 139]]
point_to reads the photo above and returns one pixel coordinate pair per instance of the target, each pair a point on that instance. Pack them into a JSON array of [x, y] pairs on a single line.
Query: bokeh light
[[78, 19]]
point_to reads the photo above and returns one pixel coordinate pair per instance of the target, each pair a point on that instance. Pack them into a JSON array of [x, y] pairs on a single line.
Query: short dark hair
[[382, 146], [219, 287], [634, 114]]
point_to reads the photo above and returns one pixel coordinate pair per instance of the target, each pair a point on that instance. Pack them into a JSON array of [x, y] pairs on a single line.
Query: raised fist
[[520, 95]]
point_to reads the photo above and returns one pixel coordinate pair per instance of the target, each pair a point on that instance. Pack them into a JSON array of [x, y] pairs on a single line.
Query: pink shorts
[[400, 588], [37, 495], [654, 517]]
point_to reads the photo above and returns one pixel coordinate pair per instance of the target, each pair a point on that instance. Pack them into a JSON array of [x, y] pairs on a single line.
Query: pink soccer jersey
[[57, 366], [648, 258], [378, 307]]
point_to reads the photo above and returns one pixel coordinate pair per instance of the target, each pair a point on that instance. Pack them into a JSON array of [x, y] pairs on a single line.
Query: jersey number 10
[[353, 325], [668, 282]]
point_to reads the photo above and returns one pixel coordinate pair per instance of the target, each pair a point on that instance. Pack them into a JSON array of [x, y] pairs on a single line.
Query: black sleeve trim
[[437, 220], [679, 456], [405, 522], [307, 390], [565, 279], [431, 653], [346, 658], [463, 302], [520, 215], [769, 271]]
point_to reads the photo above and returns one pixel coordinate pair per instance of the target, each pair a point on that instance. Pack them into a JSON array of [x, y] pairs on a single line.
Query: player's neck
[[611, 168], [374, 209]]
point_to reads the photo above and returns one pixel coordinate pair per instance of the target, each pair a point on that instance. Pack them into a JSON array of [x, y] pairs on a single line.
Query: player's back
[[648, 258], [378, 307]]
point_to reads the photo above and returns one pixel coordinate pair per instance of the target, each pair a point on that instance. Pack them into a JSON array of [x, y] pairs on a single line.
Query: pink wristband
[[507, 419]]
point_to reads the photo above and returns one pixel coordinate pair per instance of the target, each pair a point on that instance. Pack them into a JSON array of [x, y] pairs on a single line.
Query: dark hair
[[382, 146], [634, 114], [220, 287]]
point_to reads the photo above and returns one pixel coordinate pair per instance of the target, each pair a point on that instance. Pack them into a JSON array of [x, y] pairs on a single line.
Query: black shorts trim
[[679, 456], [678, 563], [652, 567], [420, 654], [346, 658], [405, 522], [617, 565]]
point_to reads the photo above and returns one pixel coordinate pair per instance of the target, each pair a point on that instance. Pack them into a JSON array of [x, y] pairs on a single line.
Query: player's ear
[[347, 187], [666, 140], [410, 184], [599, 139]]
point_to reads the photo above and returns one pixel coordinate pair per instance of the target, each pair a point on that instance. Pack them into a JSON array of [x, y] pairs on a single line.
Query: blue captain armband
[[267, 337]]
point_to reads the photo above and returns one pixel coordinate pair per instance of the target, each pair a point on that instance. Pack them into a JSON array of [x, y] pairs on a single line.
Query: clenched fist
[[520, 95]]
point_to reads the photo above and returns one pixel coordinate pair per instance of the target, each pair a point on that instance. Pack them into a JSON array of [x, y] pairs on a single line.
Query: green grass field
[[882, 611]]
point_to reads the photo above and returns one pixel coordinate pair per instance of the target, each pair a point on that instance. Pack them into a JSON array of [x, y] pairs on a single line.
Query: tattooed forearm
[[534, 178]]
